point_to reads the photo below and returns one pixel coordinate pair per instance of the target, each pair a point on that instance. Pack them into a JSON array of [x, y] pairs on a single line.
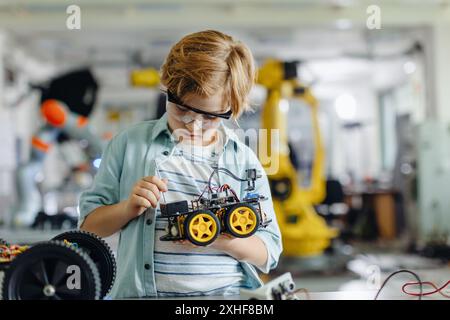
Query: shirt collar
[[160, 127], [230, 135]]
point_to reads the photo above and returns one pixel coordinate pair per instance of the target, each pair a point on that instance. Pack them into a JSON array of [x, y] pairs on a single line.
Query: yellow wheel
[[242, 220], [202, 227]]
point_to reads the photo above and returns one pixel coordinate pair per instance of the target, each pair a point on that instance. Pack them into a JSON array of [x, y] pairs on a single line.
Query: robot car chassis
[[219, 211]]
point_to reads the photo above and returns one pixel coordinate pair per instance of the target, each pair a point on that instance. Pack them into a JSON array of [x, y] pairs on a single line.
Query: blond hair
[[206, 62]]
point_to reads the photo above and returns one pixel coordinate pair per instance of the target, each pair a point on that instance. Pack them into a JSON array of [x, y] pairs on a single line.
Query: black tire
[[99, 251], [41, 273], [227, 220], [193, 216]]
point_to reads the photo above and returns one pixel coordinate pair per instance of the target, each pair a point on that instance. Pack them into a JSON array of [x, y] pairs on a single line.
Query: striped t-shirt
[[182, 269]]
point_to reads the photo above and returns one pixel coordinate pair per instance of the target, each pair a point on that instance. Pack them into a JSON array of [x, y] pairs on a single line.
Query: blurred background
[[363, 98]]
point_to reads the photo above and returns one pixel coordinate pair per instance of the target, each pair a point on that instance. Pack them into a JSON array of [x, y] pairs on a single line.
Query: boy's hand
[[145, 194], [251, 249], [222, 242]]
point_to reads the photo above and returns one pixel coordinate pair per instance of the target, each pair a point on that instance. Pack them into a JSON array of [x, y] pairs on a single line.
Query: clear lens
[[188, 116]]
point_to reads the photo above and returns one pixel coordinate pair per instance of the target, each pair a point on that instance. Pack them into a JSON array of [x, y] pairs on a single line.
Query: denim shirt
[[131, 155]]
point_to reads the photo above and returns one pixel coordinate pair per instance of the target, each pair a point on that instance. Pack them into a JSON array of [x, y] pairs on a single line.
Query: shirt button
[[147, 266], [149, 221], [166, 153]]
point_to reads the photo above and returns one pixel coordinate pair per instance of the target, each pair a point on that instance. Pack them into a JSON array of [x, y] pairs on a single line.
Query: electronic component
[[281, 288], [216, 210]]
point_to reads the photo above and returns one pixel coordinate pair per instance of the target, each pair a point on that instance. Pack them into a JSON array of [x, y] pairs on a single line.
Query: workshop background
[[372, 178]]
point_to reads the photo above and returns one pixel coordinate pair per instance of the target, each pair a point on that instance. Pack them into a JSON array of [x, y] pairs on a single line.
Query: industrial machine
[[74, 265], [433, 223], [67, 101], [220, 210], [304, 232], [147, 77]]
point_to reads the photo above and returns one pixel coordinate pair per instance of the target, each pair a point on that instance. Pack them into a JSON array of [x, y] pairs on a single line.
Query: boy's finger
[[156, 181], [141, 201], [151, 187], [147, 194]]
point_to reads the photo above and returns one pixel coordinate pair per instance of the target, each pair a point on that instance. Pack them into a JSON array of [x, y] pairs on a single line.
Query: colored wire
[[8, 253], [201, 195], [216, 170], [235, 195], [436, 289], [231, 174], [402, 271]]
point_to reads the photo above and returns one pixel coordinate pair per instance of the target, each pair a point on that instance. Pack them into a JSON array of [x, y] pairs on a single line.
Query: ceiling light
[[345, 105], [409, 67]]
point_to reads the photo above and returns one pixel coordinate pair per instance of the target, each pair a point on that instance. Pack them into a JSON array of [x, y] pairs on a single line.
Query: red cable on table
[[437, 290]]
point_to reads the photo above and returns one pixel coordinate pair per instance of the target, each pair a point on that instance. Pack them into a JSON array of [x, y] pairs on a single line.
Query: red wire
[[437, 290], [200, 196], [234, 194], [222, 188], [218, 188]]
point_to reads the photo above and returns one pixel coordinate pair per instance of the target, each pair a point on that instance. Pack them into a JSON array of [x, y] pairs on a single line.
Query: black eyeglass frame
[[174, 99]]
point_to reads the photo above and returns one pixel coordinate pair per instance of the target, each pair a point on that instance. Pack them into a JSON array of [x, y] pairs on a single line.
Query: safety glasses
[[183, 108]]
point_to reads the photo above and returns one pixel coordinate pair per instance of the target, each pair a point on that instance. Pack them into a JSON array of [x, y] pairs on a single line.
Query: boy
[[207, 77]]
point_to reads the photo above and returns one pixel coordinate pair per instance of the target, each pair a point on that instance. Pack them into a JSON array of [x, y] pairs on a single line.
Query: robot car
[[220, 210]]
